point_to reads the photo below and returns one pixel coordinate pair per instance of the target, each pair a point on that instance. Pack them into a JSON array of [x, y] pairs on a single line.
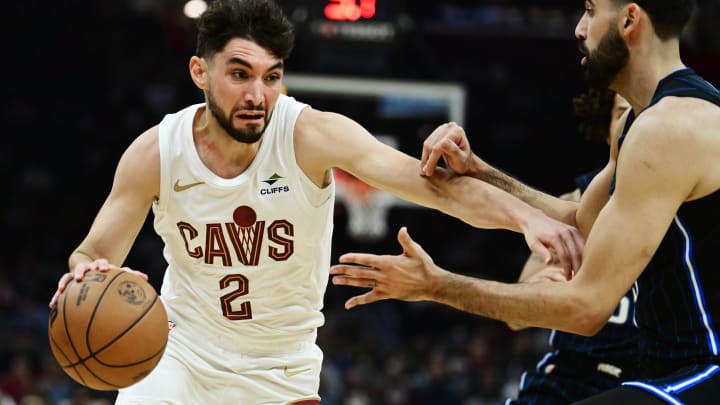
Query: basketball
[[109, 330]]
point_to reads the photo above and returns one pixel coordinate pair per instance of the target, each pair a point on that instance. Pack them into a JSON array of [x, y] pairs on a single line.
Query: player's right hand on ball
[[79, 271]]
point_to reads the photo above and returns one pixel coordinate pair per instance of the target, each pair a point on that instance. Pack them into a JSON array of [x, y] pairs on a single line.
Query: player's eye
[[273, 77]]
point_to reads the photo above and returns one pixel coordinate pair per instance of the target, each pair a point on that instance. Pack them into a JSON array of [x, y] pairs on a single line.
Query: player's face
[[245, 81], [604, 57]]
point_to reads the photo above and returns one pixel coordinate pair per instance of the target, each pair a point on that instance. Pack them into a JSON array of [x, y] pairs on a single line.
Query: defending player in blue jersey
[[577, 366], [652, 215]]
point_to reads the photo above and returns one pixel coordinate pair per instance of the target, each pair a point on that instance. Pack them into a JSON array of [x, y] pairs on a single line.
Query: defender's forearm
[[552, 206]]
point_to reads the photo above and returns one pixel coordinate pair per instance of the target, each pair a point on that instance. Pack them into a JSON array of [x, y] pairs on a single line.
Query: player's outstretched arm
[[536, 271], [326, 140], [413, 276]]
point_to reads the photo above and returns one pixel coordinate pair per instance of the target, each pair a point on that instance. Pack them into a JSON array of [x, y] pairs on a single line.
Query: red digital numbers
[[349, 10]]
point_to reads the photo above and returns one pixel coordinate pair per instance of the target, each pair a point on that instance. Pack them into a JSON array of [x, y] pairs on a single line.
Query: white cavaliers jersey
[[248, 257]]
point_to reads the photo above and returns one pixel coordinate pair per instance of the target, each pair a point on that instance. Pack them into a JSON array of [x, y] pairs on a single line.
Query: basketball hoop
[[367, 207]]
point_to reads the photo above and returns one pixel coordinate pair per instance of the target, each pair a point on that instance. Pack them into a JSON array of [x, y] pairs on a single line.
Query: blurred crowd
[[87, 77]]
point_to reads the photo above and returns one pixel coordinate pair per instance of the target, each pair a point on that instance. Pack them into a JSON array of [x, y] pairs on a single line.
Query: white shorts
[[198, 372]]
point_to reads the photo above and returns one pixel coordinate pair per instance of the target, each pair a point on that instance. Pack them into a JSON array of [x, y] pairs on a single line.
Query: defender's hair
[[594, 109], [260, 21], [668, 17]]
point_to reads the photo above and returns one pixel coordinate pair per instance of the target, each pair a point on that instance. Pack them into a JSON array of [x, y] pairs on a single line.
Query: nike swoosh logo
[[293, 373], [177, 187]]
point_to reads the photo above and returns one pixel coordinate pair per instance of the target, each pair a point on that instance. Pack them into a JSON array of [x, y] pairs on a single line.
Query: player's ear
[[630, 18], [199, 72]]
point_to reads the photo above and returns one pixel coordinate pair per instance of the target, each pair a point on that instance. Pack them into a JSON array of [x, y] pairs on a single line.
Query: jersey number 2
[[245, 311]]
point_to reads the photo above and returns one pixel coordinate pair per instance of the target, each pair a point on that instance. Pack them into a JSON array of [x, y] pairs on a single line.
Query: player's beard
[[247, 135], [605, 62]]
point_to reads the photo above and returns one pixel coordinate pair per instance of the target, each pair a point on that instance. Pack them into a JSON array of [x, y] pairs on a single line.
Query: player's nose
[[581, 27], [254, 92]]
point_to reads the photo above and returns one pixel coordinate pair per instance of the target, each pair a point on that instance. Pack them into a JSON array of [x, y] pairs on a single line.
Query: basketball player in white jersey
[[242, 195]]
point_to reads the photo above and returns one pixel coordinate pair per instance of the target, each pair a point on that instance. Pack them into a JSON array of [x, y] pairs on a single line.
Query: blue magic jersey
[[583, 366], [617, 340], [678, 303]]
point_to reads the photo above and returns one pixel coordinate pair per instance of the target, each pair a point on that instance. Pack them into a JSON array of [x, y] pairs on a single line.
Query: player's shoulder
[[149, 137], [677, 117], [313, 116], [682, 105], [320, 123], [144, 149]]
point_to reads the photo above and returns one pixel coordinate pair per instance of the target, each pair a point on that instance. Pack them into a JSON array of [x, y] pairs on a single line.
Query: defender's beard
[[606, 61]]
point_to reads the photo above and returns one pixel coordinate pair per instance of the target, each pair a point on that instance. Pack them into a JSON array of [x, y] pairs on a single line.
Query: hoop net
[[367, 207], [247, 239]]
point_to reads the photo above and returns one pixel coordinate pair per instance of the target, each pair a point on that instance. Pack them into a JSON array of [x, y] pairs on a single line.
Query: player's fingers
[[577, 246], [355, 272], [102, 265], [541, 251], [450, 147], [54, 299], [62, 284], [367, 298], [64, 280], [557, 274], [364, 259], [425, 154], [135, 272], [566, 259], [355, 281], [571, 254], [410, 248], [428, 168], [80, 270], [428, 146]]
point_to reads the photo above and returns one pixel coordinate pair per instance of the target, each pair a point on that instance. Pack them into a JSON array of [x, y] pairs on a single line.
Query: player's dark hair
[[668, 17], [260, 21], [594, 109]]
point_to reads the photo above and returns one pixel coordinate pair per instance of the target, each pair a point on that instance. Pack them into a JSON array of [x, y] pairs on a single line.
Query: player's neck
[[638, 81]]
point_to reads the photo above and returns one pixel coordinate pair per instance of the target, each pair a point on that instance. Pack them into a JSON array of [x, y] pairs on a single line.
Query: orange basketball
[[109, 330]]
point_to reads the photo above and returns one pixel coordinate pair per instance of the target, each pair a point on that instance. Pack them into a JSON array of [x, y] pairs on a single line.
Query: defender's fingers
[[355, 281], [428, 167], [571, 256], [367, 298], [428, 147], [451, 146], [558, 274], [354, 271], [542, 252], [364, 259], [410, 247], [578, 248]]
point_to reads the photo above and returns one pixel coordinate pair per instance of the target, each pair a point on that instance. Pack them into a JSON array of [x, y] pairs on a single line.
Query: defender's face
[[245, 81], [606, 52]]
